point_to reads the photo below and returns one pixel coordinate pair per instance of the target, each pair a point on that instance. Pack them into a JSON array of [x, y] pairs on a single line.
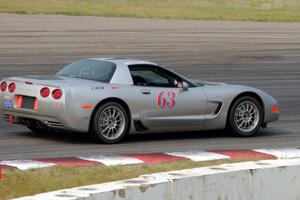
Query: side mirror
[[185, 86]]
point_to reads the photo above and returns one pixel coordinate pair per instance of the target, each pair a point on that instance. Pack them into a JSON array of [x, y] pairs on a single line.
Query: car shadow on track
[[216, 134], [83, 138]]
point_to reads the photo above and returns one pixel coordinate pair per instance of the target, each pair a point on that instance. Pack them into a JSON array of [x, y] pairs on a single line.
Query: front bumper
[[270, 113]]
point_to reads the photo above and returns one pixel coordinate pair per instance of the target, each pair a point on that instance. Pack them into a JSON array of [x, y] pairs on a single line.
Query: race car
[[112, 97]]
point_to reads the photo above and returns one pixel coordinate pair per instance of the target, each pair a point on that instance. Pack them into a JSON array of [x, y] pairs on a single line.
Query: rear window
[[97, 70]]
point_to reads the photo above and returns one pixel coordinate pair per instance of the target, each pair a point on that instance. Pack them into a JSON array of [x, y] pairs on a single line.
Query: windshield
[[89, 69]]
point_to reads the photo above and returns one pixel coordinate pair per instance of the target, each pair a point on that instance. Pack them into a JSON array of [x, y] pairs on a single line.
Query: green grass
[[23, 183], [254, 10]]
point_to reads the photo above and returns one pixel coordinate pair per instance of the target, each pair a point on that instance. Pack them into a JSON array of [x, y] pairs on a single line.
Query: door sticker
[[166, 99]]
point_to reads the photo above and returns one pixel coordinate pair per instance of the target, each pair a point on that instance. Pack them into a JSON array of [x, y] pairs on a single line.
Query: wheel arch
[[111, 99], [243, 94]]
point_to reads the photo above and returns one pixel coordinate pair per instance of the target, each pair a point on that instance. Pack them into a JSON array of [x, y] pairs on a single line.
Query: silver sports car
[[112, 97]]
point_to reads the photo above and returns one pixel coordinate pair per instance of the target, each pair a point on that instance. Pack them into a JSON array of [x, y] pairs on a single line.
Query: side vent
[[218, 108]]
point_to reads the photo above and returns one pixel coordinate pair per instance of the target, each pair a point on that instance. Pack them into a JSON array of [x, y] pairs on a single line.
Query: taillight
[[3, 86], [45, 92], [56, 94], [12, 87]]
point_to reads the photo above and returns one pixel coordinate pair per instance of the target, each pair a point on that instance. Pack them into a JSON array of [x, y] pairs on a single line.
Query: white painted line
[[199, 155], [26, 164], [281, 153], [111, 160]]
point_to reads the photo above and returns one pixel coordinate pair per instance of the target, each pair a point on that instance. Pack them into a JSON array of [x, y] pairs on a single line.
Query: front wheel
[[110, 123], [245, 117]]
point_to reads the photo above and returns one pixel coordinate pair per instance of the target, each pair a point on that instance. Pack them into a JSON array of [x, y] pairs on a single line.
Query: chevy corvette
[[112, 97]]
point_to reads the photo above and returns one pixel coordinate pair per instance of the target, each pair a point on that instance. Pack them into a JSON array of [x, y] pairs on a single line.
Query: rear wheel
[[245, 117], [110, 123]]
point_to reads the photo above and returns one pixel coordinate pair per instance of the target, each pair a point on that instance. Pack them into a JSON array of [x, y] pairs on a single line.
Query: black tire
[[235, 117], [99, 134]]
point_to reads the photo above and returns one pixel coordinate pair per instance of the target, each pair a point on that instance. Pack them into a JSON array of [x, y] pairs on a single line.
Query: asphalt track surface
[[262, 55]]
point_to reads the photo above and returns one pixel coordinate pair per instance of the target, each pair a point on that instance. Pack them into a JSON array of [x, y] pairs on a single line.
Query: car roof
[[119, 61]]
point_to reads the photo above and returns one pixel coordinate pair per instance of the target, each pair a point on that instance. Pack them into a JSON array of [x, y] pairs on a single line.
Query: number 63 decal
[[166, 99]]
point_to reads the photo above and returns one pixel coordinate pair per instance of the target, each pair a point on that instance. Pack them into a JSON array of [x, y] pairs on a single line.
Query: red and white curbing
[[152, 158]]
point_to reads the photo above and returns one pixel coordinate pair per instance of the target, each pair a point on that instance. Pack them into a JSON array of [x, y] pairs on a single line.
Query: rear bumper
[[24, 118], [57, 122], [53, 114], [47, 111], [65, 113]]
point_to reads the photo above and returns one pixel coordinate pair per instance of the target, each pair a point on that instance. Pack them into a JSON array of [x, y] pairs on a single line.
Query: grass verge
[[254, 10], [23, 183]]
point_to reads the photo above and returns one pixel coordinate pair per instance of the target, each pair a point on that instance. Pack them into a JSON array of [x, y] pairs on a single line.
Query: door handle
[[145, 91]]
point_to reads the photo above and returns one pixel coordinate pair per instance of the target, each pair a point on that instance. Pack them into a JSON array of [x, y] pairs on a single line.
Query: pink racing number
[[171, 99], [161, 100], [166, 99]]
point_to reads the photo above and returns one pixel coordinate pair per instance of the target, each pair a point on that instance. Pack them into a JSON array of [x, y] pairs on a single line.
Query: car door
[[165, 105]]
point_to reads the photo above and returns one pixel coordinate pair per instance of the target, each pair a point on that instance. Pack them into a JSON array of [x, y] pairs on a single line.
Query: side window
[[155, 76], [148, 77]]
